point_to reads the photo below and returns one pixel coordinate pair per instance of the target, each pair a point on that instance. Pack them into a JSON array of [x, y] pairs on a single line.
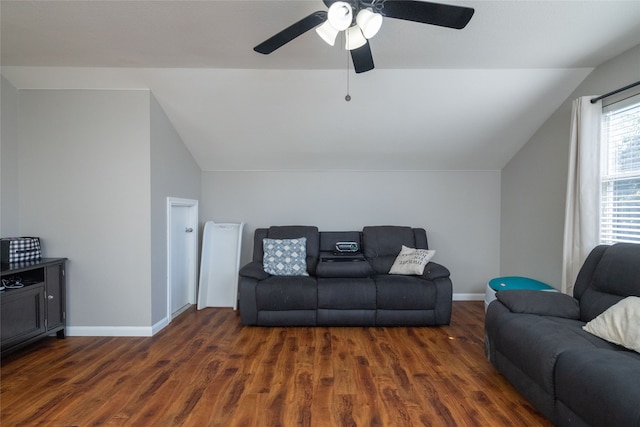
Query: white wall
[[174, 173], [459, 209], [9, 153], [84, 189], [534, 182]]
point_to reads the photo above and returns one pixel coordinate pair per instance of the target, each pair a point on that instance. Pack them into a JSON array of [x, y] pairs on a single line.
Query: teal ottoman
[[512, 282]]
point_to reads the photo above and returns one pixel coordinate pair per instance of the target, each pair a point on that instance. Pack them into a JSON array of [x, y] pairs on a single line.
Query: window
[[620, 191]]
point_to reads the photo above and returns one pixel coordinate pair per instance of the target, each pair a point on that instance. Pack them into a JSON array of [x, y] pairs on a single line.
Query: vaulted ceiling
[[437, 99]]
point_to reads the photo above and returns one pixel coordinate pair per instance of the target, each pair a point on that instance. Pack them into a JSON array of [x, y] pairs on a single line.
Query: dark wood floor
[[205, 369]]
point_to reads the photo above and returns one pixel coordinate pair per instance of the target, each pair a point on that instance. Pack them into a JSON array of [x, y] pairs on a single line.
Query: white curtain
[[582, 213]]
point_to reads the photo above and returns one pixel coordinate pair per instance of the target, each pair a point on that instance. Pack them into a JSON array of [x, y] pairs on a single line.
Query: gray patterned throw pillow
[[285, 257]]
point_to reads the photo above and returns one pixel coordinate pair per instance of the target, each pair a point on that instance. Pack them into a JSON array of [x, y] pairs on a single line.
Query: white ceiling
[[437, 99]]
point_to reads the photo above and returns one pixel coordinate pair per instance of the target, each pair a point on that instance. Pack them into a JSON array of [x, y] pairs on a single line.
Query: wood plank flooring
[[206, 369]]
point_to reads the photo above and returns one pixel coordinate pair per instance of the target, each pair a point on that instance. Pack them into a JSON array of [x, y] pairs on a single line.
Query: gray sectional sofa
[[345, 289], [536, 340]]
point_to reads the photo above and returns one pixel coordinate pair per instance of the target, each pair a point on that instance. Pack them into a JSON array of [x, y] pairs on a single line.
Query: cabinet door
[[22, 314], [54, 278]]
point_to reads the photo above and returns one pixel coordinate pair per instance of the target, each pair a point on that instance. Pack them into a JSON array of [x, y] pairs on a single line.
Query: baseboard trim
[[149, 331], [159, 326], [116, 331], [468, 297], [108, 331]]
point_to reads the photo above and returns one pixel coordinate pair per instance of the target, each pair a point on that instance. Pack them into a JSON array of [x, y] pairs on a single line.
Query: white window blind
[[620, 192]]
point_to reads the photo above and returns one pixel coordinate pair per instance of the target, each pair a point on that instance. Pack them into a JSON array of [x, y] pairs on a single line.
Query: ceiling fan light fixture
[[340, 15], [355, 39], [328, 33], [369, 22]]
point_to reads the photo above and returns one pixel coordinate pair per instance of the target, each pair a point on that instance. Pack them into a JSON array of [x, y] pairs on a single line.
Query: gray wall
[[534, 182], [9, 150], [459, 209], [95, 170], [84, 189], [174, 173]]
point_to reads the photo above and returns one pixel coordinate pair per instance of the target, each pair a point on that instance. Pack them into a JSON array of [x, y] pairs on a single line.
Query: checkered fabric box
[[20, 249]]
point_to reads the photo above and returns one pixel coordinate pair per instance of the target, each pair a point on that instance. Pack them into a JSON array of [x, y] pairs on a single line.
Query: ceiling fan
[[361, 20]]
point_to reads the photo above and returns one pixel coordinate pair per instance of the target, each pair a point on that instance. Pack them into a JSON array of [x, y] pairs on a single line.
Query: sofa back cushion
[[290, 232], [258, 235], [616, 276], [382, 244]]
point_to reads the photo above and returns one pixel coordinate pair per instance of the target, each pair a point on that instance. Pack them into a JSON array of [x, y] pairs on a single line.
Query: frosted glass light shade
[[340, 15], [327, 33], [369, 22], [355, 39]]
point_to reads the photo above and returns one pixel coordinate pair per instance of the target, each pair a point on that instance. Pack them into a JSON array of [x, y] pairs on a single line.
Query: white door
[[180, 236], [182, 244]]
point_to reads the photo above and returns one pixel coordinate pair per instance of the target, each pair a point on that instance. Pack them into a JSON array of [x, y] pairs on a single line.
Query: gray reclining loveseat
[[345, 289], [535, 339]]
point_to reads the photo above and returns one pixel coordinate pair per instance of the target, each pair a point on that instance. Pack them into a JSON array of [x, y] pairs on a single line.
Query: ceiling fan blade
[[291, 32], [443, 15], [362, 58]]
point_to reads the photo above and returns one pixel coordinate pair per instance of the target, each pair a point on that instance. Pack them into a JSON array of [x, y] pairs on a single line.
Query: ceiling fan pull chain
[[347, 97]]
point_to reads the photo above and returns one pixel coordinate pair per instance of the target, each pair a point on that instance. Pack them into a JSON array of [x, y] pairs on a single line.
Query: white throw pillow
[[411, 261], [619, 324]]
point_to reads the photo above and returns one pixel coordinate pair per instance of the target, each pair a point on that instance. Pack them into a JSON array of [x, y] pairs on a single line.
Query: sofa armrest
[[254, 270], [541, 303], [247, 303], [434, 271]]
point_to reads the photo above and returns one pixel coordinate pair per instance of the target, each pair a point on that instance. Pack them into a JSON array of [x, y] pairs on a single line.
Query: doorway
[[182, 254]]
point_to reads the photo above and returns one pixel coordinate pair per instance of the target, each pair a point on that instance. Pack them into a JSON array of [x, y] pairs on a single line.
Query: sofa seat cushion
[[601, 385], [345, 294], [533, 343], [287, 293], [396, 292]]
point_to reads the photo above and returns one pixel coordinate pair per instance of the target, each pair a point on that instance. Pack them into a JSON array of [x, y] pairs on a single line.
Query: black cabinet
[[35, 310], [54, 283]]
